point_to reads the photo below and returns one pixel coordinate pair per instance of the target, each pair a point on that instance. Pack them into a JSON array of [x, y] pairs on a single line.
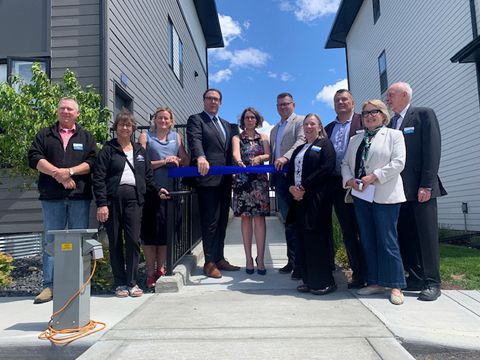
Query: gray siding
[[75, 40], [20, 211], [138, 46], [419, 38]]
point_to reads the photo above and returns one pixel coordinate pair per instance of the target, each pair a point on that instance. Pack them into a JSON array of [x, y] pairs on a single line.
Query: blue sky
[[272, 46]]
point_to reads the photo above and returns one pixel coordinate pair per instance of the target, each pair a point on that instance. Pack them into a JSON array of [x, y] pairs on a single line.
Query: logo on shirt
[[77, 147], [140, 157]]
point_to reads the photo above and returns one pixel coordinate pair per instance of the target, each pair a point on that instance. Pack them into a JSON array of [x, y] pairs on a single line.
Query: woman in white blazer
[[376, 158]]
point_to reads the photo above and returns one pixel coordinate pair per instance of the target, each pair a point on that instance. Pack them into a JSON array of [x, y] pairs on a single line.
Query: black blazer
[[317, 169], [354, 126], [423, 144], [204, 140]]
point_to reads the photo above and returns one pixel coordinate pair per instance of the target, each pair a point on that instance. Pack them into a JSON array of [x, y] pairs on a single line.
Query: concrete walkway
[[250, 317]]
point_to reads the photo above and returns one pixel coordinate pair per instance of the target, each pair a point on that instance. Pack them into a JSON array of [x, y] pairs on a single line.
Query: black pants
[[214, 205], [418, 239], [124, 224], [315, 249], [350, 232]]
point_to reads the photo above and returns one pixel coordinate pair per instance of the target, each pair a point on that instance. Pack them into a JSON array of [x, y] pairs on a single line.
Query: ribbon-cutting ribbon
[[190, 171]]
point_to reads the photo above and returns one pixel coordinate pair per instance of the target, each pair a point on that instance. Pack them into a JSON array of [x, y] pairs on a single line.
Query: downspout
[[103, 50]]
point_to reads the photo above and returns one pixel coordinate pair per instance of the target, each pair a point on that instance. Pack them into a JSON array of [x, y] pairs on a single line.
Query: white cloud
[[246, 24], [309, 10], [231, 29], [249, 57], [328, 91], [272, 75], [266, 128], [286, 77], [221, 75]]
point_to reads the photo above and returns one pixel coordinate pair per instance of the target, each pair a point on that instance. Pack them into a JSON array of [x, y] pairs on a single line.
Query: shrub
[[6, 269]]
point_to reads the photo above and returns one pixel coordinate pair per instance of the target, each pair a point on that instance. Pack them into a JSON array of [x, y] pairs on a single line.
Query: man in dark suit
[[340, 131], [418, 223], [210, 143]]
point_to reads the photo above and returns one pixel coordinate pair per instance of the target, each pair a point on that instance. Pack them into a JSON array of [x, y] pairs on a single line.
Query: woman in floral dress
[[250, 191]]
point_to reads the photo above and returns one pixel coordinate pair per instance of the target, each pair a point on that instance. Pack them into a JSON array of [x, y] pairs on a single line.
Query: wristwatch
[[70, 171]]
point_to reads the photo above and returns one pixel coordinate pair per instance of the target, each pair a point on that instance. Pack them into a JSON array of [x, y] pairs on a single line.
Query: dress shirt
[[279, 137], [299, 165], [402, 116], [66, 134], [218, 124], [339, 139]]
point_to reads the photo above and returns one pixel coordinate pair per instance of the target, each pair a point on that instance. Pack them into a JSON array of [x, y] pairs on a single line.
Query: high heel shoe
[[250, 271], [260, 271]]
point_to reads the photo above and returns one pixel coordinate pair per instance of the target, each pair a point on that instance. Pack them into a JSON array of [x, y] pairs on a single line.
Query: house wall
[[138, 47], [419, 38], [75, 40]]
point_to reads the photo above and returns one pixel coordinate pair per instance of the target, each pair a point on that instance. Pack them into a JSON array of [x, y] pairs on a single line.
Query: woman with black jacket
[[121, 176], [309, 171]]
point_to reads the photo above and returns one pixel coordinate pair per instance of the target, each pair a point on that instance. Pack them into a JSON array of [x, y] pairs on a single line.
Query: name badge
[[409, 130], [77, 147], [316, 148]]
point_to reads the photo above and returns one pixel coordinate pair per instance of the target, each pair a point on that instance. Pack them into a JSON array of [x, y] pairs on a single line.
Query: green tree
[[25, 108]]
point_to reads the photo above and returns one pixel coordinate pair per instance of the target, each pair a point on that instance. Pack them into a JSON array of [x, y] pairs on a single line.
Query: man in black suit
[[418, 223], [210, 143], [340, 131]]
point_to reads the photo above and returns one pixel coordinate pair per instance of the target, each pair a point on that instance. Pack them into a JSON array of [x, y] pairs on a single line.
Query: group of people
[[378, 174]]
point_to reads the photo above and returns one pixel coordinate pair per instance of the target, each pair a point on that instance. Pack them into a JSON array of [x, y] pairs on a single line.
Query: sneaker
[[370, 290], [45, 295], [135, 291]]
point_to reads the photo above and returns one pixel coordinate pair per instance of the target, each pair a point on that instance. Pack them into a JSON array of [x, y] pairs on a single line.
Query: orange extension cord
[[59, 337]]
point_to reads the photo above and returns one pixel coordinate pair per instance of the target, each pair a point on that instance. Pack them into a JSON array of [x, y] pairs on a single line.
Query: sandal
[[121, 291], [135, 291]]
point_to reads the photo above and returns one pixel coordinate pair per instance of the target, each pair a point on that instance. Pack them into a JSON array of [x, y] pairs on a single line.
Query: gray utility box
[[73, 252]]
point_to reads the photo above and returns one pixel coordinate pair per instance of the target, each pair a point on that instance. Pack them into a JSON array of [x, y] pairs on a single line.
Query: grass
[[459, 267]]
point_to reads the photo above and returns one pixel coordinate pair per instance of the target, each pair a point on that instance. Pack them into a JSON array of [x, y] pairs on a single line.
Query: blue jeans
[[378, 236], [58, 215]]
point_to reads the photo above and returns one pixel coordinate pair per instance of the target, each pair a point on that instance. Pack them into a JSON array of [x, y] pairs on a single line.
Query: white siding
[[419, 38], [138, 46], [193, 24]]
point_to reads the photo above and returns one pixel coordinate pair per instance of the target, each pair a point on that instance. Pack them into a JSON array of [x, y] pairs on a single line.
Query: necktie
[[394, 120], [218, 127]]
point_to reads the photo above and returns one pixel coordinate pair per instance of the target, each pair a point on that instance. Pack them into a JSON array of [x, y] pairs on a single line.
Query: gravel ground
[[27, 278]]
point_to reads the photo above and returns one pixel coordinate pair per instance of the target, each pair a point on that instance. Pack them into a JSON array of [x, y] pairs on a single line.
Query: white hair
[[405, 87]]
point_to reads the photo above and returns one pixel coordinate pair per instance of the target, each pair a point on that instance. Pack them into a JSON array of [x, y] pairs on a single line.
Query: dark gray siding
[[20, 211], [75, 40], [138, 46]]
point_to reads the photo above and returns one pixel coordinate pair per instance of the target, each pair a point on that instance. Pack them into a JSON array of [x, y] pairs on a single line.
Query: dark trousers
[[284, 199], [418, 238], [349, 227], [214, 205], [123, 224], [315, 249]]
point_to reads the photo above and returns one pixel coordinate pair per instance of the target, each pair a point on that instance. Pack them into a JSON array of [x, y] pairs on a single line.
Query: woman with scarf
[[372, 165]]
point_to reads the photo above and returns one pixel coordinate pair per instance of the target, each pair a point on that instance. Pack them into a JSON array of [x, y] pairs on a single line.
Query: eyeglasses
[[371, 112], [212, 98], [124, 125], [285, 104]]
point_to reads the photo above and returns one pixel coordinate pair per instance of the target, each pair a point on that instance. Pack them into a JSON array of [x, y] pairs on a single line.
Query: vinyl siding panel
[[419, 38], [75, 40], [139, 48]]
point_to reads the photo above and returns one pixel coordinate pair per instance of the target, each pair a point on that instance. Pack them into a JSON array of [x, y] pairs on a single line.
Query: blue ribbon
[[223, 170]]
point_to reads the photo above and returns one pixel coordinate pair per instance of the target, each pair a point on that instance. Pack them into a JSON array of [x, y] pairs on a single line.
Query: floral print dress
[[250, 191]]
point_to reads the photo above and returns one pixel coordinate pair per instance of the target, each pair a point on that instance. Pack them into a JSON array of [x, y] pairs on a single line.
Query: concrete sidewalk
[[250, 317]]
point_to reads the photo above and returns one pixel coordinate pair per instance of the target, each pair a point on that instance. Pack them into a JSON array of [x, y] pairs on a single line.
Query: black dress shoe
[[287, 269], [296, 274], [304, 288], [249, 271], [356, 284], [324, 291], [429, 293]]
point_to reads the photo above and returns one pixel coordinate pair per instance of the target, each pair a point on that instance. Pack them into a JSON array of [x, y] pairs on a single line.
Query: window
[[21, 67], [382, 69], [3, 72], [376, 10], [176, 52]]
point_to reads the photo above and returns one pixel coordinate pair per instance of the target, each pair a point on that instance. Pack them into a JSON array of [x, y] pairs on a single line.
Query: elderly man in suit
[[210, 143], [346, 125], [418, 223], [285, 137]]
